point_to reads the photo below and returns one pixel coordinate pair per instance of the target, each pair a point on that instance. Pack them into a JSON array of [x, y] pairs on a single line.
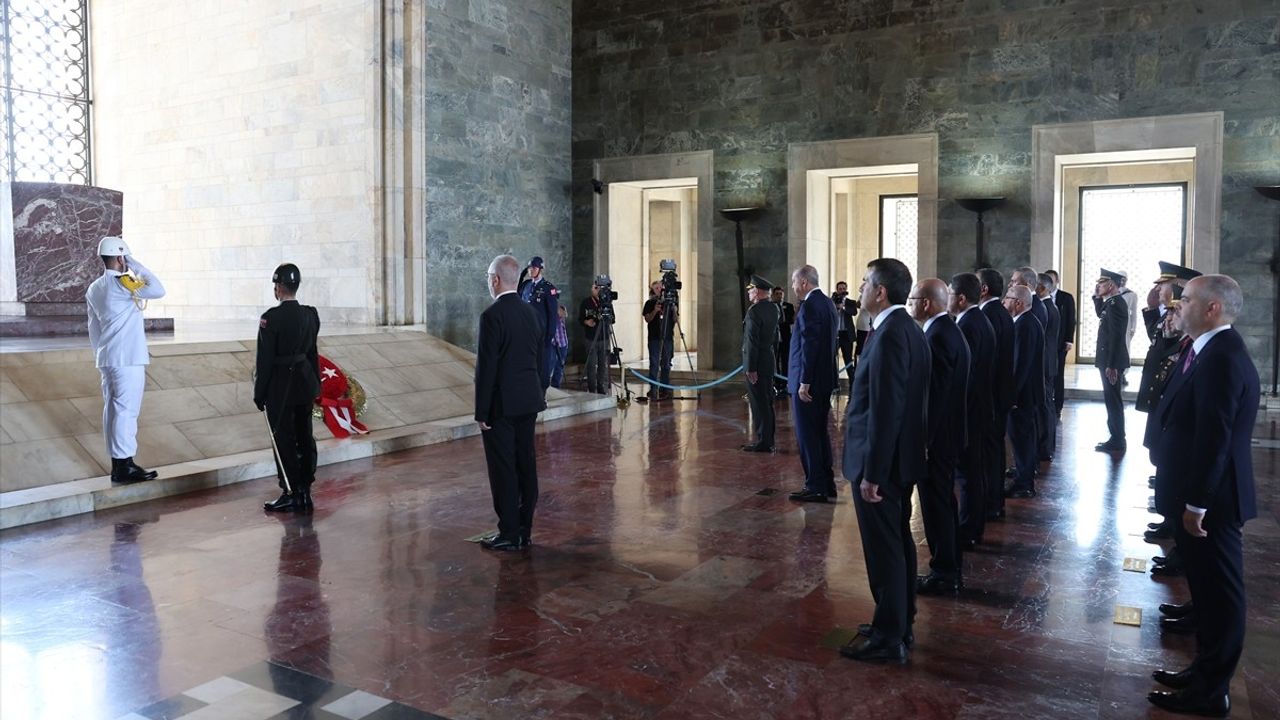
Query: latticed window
[[46, 91], [899, 230]]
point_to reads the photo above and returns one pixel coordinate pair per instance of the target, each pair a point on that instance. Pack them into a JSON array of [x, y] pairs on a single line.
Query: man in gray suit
[[759, 338]]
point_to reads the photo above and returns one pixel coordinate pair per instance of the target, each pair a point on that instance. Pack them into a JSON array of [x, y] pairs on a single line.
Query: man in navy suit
[[884, 456], [1048, 440], [1066, 303], [1206, 418], [1028, 390], [971, 472], [990, 303], [948, 388], [1030, 279], [510, 366], [811, 379]]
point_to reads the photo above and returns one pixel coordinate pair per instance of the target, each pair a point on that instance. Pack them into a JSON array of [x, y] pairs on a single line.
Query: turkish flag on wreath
[[341, 401]]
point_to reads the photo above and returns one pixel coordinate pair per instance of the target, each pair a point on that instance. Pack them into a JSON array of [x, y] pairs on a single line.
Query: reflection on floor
[[662, 584]]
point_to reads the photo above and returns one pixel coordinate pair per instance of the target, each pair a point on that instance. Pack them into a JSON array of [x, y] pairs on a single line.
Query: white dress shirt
[[880, 318]]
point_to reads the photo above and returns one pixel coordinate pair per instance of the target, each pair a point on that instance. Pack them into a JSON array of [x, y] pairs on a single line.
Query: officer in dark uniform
[[286, 383], [759, 339], [1111, 356], [536, 290]]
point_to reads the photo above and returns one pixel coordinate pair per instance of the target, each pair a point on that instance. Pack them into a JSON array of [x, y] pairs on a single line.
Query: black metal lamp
[[1273, 192], [980, 206], [738, 215]]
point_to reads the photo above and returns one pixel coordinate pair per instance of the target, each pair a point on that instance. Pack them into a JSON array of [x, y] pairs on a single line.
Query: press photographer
[[846, 310], [661, 312], [595, 314]]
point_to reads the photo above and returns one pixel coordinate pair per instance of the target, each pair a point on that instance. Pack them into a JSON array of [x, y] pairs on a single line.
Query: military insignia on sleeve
[[555, 292], [262, 322]]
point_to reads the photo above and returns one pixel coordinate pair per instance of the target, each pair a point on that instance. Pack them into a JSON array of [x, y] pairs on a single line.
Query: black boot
[[303, 498], [285, 503], [139, 471], [124, 471]]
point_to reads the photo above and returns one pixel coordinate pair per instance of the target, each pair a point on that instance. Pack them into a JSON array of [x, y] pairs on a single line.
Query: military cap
[[536, 262], [287, 274], [1169, 271], [1177, 297], [1111, 275], [759, 283]]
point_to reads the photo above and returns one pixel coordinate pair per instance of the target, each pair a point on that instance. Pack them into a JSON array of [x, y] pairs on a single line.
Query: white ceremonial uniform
[[120, 353]]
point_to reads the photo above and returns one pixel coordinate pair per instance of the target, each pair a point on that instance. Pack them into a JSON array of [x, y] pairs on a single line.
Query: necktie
[[1191, 357]]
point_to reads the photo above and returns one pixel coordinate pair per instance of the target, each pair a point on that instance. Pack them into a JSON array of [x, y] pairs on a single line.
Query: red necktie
[[1191, 357]]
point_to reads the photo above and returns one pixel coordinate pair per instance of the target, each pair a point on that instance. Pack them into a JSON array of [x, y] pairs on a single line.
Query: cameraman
[[846, 309], [589, 316], [661, 334]]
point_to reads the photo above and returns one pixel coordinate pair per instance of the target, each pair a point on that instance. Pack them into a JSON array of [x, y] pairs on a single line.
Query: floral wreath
[[341, 401]]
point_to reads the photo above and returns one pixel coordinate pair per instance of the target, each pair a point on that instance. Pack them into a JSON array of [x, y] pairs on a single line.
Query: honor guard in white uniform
[[116, 301]]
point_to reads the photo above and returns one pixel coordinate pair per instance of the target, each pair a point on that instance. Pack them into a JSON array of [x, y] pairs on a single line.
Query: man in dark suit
[[1206, 417], [1028, 278], [759, 331], [971, 472], [884, 456], [811, 380], [788, 312], [1002, 324], [509, 396], [1066, 304], [946, 434], [1028, 395], [846, 311], [1048, 437], [1111, 355]]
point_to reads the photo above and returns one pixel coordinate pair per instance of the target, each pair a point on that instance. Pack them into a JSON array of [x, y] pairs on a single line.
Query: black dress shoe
[[1017, 493], [501, 544], [808, 496], [1168, 571], [1184, 625], [138, 470], [125, 471], [1109, 446], [304, 502], [866, 649], [763, 449], [1155, 526], [749, 447], [935, 584], [1170, 610], [285, 503], [1151, 484], [1176, 680], [909, 639], [1188, 704], [1159, 559], [1155, 536]]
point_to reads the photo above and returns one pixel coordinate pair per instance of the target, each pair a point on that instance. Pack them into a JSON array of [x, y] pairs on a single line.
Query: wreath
[[341, 401]]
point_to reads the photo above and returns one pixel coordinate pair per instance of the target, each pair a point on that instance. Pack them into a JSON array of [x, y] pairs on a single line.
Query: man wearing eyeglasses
[[1028, 390]]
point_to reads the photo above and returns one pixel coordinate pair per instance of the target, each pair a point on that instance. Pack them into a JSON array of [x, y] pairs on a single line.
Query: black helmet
[[287, 275]]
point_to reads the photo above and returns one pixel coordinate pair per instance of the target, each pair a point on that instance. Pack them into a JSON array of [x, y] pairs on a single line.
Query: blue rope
[[704, 386]]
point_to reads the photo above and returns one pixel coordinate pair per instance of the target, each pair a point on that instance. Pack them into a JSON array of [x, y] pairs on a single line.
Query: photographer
[[846, 309], [591, 315], [661, 345]]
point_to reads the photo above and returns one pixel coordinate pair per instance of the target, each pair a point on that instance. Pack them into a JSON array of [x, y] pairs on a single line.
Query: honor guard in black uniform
[[286, 383], [536, 290]]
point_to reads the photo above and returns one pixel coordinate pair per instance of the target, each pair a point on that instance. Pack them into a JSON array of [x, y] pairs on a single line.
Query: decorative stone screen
[[899, 230]]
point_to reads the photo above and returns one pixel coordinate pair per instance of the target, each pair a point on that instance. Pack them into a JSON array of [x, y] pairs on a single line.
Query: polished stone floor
[[667, 581]]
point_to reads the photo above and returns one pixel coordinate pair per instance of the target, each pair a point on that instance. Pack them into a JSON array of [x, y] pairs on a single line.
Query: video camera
[[671, 284], [607, 296]]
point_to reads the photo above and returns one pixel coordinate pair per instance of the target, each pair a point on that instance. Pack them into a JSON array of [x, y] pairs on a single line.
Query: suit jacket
[[1038, 309], [885, 425], [759, 336], [1028, 362], [1066, 303], [1206, 424], [509, 361], [1052, 333], [981, 339], [1002, 371], [812, 359], [1112, 350], [948, 388]]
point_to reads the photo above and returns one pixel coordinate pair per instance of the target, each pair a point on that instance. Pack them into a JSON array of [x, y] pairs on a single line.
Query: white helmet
[[112, 247]]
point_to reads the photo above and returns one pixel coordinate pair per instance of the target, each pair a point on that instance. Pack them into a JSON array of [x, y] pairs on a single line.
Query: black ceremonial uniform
[[287, 382]]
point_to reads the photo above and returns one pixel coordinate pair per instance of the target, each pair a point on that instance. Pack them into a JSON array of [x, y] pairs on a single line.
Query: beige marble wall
[[198, 403], [251, 134]]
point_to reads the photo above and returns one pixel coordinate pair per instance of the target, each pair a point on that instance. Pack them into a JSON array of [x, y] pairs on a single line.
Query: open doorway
[[859, 214], [650, 221]]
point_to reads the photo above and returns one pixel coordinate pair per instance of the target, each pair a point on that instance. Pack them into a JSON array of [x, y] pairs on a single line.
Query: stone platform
[[199, 427], [36, 326]]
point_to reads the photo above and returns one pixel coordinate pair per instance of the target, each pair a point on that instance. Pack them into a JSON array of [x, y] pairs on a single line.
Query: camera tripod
[[670, 315], [605, 335]]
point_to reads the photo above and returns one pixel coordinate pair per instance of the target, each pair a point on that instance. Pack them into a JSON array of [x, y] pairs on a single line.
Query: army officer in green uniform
[[759, 338]]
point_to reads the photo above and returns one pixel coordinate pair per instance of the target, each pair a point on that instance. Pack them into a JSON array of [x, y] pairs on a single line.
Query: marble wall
[[498, 115], [56, 229], [745, 79], [243, 135]]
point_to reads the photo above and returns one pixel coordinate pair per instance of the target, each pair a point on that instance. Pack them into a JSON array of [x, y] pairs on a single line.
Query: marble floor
[[670, 578]]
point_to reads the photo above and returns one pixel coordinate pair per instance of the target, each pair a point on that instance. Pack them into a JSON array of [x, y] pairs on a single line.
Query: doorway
[[850, 227], [651, 221], [1128, 229]]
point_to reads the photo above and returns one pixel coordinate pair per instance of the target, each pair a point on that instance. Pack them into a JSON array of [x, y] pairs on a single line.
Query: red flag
[[339, 412]]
